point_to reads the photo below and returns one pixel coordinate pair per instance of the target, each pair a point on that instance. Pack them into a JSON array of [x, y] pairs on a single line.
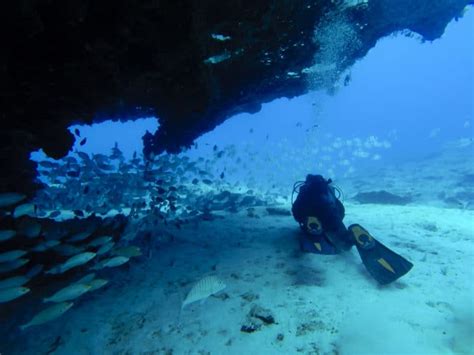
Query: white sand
[[321, 304]]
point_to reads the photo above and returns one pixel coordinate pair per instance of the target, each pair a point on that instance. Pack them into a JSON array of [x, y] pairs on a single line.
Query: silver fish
[[79, 236], [10, 198], [48, 314], [204, 288], [97, 283], [48, 244], [111, 262], [26, 209], [6, 234], [68, 249], [11, 255], [104, 249], [29, 228], [129, 251], [13, 265], [100, 241], [9, 294], [34, 271], [14, 281], [86, 279], [68, 293], [72, 262]]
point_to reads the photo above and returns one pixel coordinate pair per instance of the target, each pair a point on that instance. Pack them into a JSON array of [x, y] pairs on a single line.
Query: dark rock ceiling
[[67, 62]]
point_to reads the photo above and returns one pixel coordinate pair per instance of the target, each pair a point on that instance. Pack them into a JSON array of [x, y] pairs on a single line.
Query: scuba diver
[[320, 213]]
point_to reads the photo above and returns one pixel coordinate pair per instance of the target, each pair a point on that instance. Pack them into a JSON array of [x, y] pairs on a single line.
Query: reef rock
[[192, 64]]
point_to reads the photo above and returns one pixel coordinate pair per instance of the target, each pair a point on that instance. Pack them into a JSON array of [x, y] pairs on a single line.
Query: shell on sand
[[204, 288]]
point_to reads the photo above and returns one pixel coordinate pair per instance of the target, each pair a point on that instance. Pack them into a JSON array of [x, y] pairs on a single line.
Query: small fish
[[204, 288], [112, 262], [100, 241], [68, 249], [54, 214], [42, 213], [11, 255], [86, 279], [83, 156], [79, 236], [48, 164], [129, 252], [48, 314], [222, 175], [72, 262], [9, 294], [83, 141], [10, 198], [347, 79], [77, 132], [104, 249], [86, 190], [6, 234], [48, 244], [29, 227], [70, 160], [13, 265], [78, 213], [34, 271], [14, 281], [207, 181], [97, 283], [68, 293], [195, 181], [24, 210]]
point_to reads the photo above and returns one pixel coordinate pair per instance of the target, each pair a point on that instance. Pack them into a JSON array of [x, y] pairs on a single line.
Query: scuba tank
[[319, 211], [317, 197]]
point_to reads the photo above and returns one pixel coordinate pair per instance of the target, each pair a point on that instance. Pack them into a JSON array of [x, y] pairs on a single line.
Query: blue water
[[402, 125]]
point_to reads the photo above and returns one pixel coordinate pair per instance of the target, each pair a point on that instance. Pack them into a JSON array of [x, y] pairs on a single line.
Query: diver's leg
[[342, 238], [317, 245]]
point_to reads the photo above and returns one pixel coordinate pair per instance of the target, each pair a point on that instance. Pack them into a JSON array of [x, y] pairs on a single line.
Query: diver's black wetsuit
[[320, 215]]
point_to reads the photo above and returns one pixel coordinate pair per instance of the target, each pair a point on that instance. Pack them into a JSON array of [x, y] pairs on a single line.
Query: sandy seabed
[[320, 304]]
